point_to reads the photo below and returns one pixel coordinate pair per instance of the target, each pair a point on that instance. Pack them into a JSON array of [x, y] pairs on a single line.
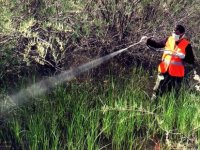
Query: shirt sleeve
[[156, 44], [189, 55]]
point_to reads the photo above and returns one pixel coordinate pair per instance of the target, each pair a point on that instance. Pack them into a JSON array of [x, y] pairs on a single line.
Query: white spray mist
[[41, 87]]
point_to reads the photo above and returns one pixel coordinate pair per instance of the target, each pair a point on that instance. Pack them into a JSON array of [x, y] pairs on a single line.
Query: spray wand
[[168, 52]]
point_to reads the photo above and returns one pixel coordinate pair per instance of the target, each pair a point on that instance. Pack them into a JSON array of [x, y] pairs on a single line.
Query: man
[[171, 71]]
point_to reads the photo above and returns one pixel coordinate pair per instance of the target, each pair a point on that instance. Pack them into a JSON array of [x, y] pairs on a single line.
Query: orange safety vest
[[173, 64]]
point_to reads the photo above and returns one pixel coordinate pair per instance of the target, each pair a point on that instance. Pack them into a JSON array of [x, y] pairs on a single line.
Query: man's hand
[[173, 53], [143, 39], [168, 52]]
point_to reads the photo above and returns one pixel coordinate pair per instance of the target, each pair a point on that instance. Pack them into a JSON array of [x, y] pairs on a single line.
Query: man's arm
[[156, 44], [189, 55]]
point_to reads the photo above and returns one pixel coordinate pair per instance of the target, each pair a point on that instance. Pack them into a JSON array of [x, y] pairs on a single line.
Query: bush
[[62, 34]]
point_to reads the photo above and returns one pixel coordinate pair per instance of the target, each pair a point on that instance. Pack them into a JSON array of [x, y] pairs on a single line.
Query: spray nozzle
[[143, 39]]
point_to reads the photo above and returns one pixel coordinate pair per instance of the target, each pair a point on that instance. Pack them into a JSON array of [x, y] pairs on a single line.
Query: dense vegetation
[[108, 107], [61, 34]]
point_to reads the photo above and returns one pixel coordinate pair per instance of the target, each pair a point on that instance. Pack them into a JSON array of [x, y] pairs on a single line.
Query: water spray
[[41, 87]]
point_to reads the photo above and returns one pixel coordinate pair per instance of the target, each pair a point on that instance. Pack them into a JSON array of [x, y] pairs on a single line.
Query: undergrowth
[[114, 115]]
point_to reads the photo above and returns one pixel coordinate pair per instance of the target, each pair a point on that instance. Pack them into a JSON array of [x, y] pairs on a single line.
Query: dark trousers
[[166, 83]]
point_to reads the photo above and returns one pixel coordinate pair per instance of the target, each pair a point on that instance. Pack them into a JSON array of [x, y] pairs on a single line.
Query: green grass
[[113, 115]]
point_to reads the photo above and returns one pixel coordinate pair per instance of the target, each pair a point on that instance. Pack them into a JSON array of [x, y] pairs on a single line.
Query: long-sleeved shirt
[[189, 56]]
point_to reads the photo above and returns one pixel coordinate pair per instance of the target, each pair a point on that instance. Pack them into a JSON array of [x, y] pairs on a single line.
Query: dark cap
[[180, 28]]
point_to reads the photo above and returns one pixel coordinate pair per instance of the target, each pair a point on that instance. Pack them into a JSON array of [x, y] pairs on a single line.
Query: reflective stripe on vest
[[173, 64]]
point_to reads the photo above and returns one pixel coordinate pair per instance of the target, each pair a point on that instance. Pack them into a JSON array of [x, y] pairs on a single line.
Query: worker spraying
[[171, 70]]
